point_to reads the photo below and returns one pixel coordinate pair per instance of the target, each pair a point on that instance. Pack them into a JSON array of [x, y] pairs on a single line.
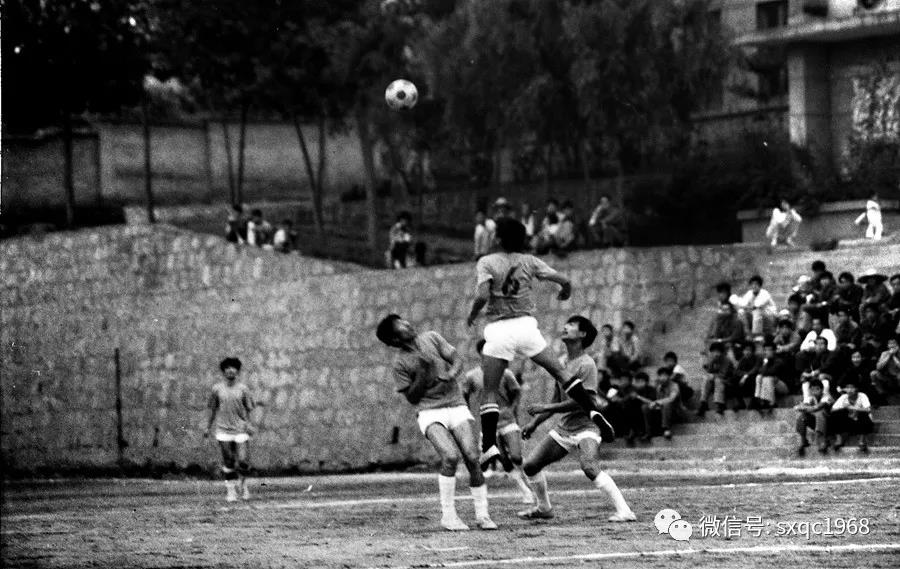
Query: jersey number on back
[[511, 284]]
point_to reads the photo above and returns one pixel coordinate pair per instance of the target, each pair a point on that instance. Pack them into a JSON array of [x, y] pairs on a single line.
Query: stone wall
[[175, 304]]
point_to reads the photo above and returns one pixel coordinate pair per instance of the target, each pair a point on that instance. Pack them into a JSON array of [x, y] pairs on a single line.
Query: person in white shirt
[[818, 329], [484, 234], [851, 415], [756, 307], [873, 216], [785, 224]]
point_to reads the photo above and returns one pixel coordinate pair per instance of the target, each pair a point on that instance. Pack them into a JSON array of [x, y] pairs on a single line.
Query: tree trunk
[[207, 162], [148, 165], [68, 169], [242, 145], [585, 164], [405, 190], [314, 181], [366, 147], [229, 162]]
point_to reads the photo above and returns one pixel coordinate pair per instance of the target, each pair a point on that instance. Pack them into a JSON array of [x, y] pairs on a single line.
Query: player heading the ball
[[505, 283]]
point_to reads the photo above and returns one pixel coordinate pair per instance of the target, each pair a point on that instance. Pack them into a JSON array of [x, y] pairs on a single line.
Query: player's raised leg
[[464, 434], [544, 454], [511, 443], [493, 369]]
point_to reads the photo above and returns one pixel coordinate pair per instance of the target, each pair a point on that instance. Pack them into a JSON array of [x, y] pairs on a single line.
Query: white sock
[[538, 484], [605, 482], [447, 486], [479, 495], [519, 476]]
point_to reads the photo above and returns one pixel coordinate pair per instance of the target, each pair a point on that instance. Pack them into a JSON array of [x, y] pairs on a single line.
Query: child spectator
[[859, 373], [757, 309], [285, 237], [771, 373], [886, 377], [784, 225], [813, 414], [847, 332], [400, 240], [721, 373], [664, 407], [851, 415], [640, 394], [849, 295], [821, 365], [873, 216], [484, 237], [259, 231], [679, 376], [626, 350], [746, 370], [236, 226]]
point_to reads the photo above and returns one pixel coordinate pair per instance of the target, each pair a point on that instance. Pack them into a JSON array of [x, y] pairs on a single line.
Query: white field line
[[311, 504], [757, 550]]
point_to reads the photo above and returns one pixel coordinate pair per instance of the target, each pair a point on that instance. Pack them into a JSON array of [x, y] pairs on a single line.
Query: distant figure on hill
[[400, 240], [236, 226], [784, 225], [259, 231], [872, 215], [484, 236], [606, 224]]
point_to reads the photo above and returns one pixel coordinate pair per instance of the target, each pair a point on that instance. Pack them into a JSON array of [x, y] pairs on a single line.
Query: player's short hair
[[818, 265], [642, 375], [717, 347], [628, 323], [230, 362], [846, 276], [671, 356], [479, 345], [586, 326], [816, 383], [512, 235], [664, 370], [385, 331], [756, 279], [723, 287]]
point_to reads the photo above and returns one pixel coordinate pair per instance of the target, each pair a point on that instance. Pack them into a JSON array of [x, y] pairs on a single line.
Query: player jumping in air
[[574, 431], [505, 281], [426, 370], [508, 431], [230, 404]]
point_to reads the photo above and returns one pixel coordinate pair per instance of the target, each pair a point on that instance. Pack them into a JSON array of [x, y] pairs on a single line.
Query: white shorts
[[449, 417], [510, 428], [505, 339], [570, 442], [228, 438]]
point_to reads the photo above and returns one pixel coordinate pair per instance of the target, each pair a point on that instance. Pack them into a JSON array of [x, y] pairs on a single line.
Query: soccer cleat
[[488, 455], [622, 517], [454, 524], [536, 513], [607, 433], [486, 523]]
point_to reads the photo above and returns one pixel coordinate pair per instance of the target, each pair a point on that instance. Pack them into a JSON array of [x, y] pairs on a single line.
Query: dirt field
[[390, 520]]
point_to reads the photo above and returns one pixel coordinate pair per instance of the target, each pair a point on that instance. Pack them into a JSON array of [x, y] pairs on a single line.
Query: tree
[[70, 57]]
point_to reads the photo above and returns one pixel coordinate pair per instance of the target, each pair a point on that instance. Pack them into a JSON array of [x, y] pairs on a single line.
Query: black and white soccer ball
[[401, 95]]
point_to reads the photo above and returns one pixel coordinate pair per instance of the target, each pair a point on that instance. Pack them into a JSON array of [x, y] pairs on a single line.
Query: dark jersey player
[[505, 286]]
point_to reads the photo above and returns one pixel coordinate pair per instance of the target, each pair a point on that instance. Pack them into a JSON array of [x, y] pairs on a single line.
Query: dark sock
[[579, 394], [490, 414]]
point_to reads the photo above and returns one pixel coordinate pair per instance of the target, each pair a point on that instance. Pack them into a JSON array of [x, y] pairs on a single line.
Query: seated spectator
[[818, 269], [847, 332], [821, 365], [859, 373], [874, 328], [819, 306], [851, 415], [564, 240], [484, 237], [726, 327], [798, 316], [721, 374], [259, 231], [813, 414], [526, 216], [604, 347], [769, 379], [849, 295], [616, 411], [664, 407], [818, 329], [784, 225], [640, 394], [893, 305], [756, 308], [627, 355], [787, 341], [679, 376], [746, 371], [285, 237], [236, 226], [400, 240], [545, 237], [605, 224], [886, 377], [874, 290]]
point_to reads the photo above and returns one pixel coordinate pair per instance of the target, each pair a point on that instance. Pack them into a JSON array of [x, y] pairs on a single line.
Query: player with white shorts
[[574, 431], [230, 405], [426, 370], [505, 282]]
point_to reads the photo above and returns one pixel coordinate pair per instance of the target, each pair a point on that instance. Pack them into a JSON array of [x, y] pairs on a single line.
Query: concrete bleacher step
[[756, 455], [886, 413], [762, 427], [688, 443]]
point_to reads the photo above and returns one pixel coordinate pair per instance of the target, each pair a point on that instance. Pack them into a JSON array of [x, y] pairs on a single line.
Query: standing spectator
[[822, 366], [847, 332], [813, 414], [756, 308], [746, 370], [859, 373], [720, 370], [259, 231], [606, 224], [664, 407], [236, 226], [770, 375], [626, 351], [284, 237], [873, 216], [784, 225], [604, 348], [849, 295], [400, 240], [886, 377], [484, 237], [679, 376], [874, 289], [526, 216]]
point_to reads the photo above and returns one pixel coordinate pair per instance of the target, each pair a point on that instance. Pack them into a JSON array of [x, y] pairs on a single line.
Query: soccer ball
[[401, 94]]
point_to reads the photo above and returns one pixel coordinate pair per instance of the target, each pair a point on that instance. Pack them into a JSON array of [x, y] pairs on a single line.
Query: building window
[[773, 83], [771, 15]]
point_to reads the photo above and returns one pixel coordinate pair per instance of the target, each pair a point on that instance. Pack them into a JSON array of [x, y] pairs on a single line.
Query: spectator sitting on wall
[[784, 225], [820, 305], [564, 240], [259, 231], [818, 269], [640, 394], [484, 237], [849, 295], [285, 238], [526, 216], [875, 329], [756, 308], [626, 351], [400, 240], [606, 224], [886, 377], [851, 415], [795, 313], [236, 226]]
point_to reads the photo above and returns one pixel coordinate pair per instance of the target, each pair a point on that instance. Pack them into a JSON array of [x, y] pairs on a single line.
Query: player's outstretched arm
[[213, 409], [563, 281], [482, 295]]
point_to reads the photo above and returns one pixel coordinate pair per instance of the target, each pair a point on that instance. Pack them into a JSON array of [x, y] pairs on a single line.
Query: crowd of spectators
[[256, 231]]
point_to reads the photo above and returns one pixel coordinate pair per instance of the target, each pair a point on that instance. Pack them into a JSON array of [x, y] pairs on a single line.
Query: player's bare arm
[[534, 423], [565, 291], [417, 388], [213, 409], [482, 296], [456, 365]]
